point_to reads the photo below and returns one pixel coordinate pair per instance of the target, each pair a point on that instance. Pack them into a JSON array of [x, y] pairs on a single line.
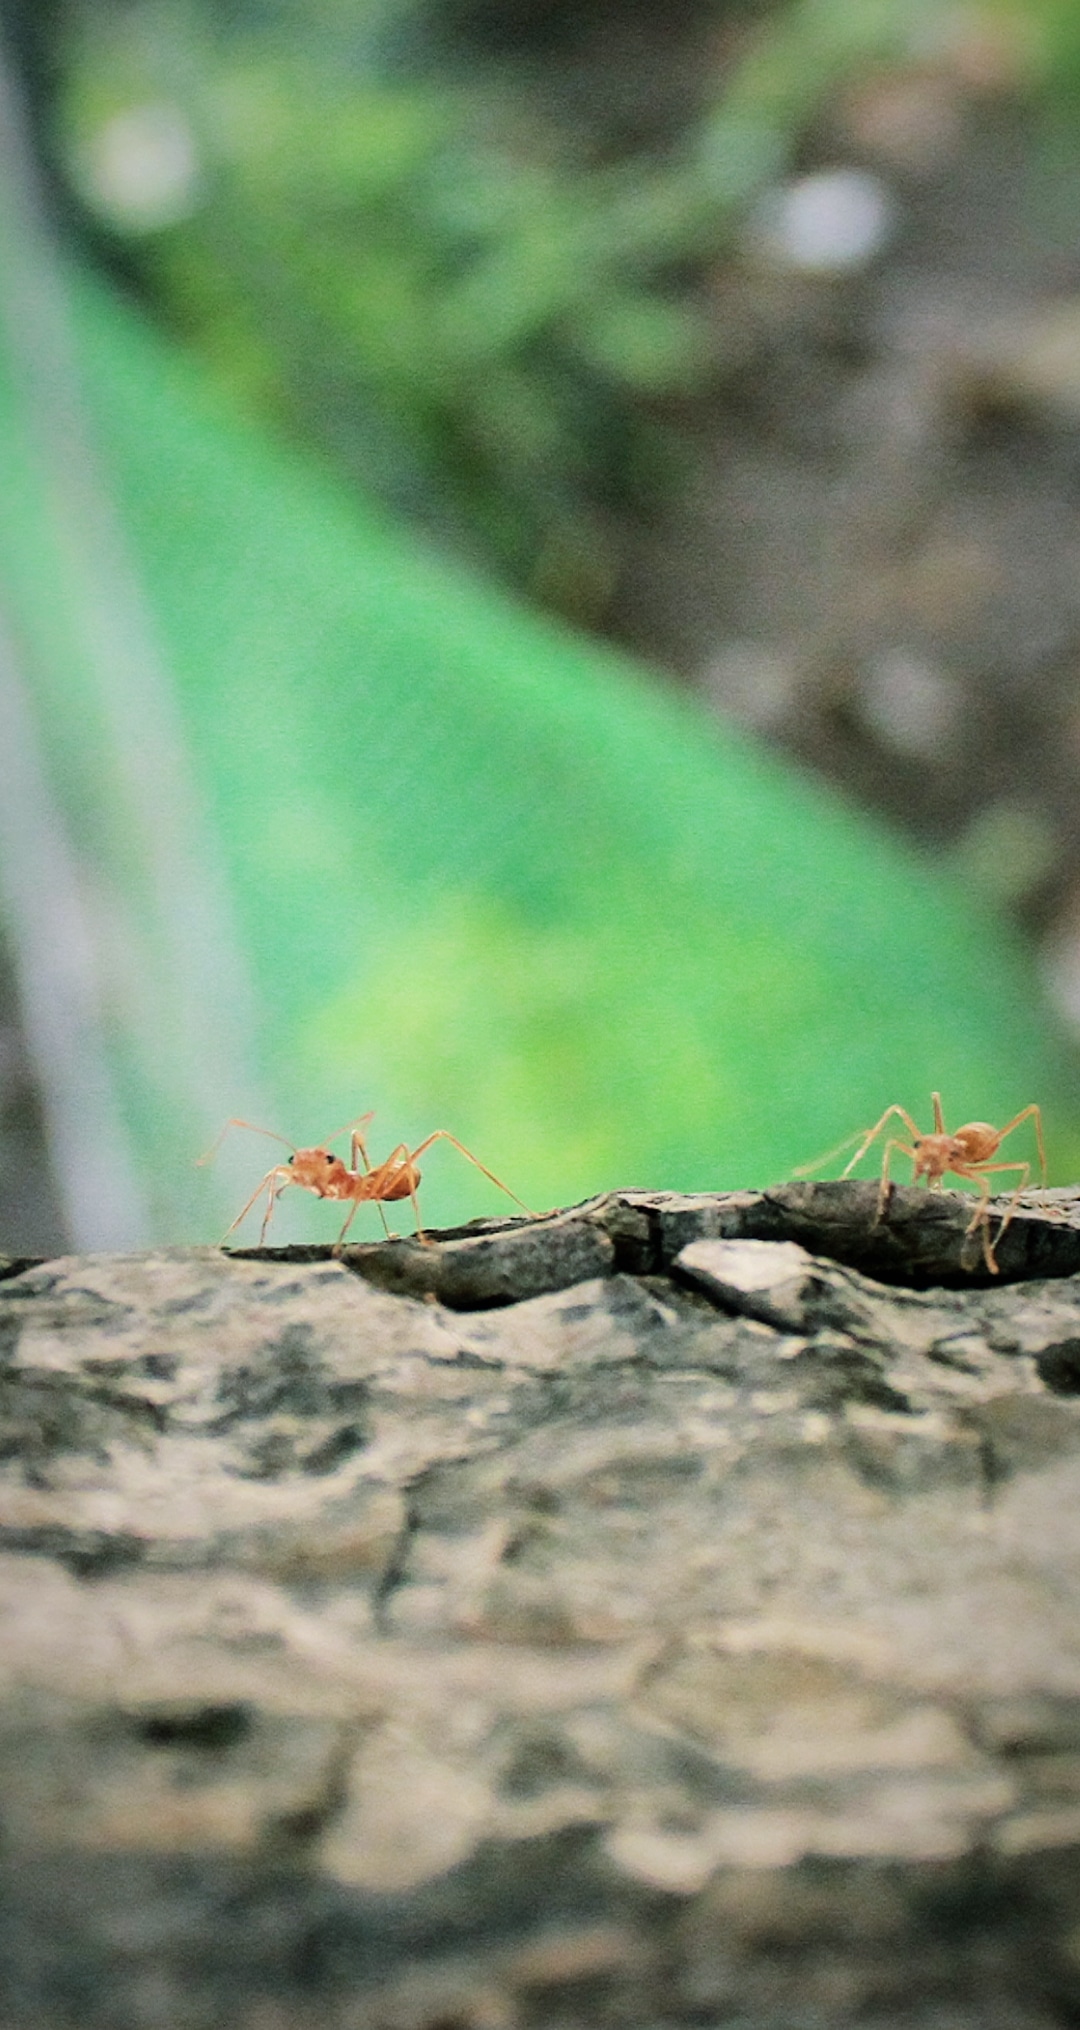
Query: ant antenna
[[237, 1123], [360, 1121], [819, 1163]]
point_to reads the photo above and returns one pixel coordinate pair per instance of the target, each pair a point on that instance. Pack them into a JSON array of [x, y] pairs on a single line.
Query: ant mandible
[[967, 1153], [319, 1171]]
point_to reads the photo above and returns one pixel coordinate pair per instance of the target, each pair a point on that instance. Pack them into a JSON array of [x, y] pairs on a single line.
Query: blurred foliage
[[383, 240], [1053, 27], [485, 876]]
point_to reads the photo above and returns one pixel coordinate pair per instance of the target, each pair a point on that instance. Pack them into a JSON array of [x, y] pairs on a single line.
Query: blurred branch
[[171, 971], [102, 1202]]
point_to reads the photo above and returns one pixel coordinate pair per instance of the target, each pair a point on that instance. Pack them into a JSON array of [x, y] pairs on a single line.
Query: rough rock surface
[[663, 1613]]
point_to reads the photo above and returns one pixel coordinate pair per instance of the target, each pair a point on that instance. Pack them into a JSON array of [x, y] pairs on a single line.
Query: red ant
[[318, 1170], [965, 1154]]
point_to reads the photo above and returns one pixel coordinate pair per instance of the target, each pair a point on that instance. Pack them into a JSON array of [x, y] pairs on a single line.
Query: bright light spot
[[827, 223], [752, 683], [141, 169], [1009, 847], [910, 705], [1061, 971]]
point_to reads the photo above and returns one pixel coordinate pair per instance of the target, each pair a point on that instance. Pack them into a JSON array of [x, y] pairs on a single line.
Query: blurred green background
[[337, 341]]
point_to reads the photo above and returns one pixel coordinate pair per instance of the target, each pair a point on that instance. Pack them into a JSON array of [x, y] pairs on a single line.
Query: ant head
[[314, 1169]]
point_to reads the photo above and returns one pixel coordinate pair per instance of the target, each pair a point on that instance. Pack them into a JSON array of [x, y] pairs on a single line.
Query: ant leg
[[402, 1162], [403, 1158], [357, 1141], [1029, 1113], [1013, 1203], [373, 1179], [353, 1210], [939, 1118], [420, 1234], [378, 1181], [981, 1176], [885, 1190], [444, 1135], [272, 1197], [359, 1121], [980, 1217], [875, 1131], [261, 1185], [989, 1170], [358, 1148]]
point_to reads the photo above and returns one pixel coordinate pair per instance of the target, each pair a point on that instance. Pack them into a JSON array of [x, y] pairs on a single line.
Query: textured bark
[[643, 1616]]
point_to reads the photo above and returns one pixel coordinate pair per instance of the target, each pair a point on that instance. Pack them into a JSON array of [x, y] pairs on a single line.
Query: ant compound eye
[[328, 1156], [292, 1159]]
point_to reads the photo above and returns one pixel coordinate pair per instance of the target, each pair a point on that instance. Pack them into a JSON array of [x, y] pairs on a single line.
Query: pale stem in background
[[173, 972]]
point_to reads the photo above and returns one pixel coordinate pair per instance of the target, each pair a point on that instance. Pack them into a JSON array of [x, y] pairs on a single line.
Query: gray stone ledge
[[639, 1616]]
